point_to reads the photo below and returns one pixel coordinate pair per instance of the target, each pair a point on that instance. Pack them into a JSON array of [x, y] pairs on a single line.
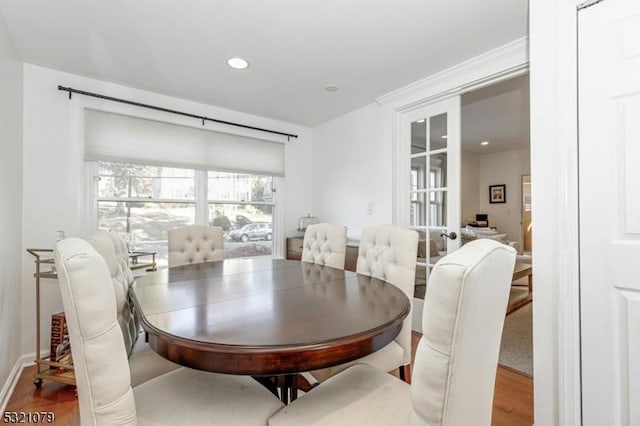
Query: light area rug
[[516, 349]]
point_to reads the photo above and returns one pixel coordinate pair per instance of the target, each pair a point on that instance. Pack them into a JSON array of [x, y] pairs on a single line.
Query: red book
[[58, 327]]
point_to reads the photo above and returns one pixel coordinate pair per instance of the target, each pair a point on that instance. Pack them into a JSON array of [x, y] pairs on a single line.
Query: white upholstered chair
[[144, 363], [456, 359], [195, 244], [105, 396], [325, 244], [108, 245], [387, 252]]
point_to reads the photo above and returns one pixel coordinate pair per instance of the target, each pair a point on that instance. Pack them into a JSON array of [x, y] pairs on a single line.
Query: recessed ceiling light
[[331, 87], [237, 63], [422, 120], [444, 136], [484, 143]]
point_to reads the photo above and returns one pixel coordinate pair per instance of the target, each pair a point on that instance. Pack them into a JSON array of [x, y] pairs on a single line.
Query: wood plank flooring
[[512, 403], [55, 397]]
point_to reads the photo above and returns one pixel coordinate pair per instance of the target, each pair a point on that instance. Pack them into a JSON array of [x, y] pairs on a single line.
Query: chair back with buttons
[[99, 356], [195, 244], [325, 244], [113, 250], [389, 253], [125, 275], [457, 357]]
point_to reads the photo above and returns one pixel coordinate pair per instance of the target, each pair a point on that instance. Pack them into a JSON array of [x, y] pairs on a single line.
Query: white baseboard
[[12, 380]]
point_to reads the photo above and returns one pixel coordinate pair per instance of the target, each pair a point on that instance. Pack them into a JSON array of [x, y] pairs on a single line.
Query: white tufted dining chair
[[144, 363], [456, 359], [108, 245], [195, 244], [389, 253], [183, 396], [325, 244]]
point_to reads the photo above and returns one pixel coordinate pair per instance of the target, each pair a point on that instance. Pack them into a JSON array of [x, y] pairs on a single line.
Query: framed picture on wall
[[497, 194]]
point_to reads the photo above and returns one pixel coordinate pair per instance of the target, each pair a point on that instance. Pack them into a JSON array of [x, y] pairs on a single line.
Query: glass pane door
[[434, 183]]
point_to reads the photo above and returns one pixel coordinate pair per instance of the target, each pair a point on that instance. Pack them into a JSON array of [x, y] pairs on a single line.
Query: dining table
[[265, 317]]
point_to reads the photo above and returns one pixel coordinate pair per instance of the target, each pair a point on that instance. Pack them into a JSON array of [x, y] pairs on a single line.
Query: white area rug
[[516, 349]]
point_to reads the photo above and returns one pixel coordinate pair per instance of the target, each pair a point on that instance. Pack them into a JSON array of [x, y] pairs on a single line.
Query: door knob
[[451, 235]]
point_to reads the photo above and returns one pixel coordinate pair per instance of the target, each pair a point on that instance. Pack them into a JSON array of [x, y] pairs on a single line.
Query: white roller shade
[[115, 137]]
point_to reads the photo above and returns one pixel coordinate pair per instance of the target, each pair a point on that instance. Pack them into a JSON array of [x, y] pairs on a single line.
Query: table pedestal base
[[286, 386]]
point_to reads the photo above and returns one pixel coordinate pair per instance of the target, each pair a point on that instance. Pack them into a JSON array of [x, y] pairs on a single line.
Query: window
[[143, 202], [243, 205]]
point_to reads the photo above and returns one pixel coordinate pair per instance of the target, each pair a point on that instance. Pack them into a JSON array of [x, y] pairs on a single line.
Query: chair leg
[[405, 373]]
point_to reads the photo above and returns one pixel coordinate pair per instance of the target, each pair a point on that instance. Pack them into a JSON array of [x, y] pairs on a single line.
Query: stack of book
[[60, 346]]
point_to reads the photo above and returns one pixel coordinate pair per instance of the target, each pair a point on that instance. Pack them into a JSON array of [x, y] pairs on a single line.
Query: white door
[[609, 180], [430, 187]]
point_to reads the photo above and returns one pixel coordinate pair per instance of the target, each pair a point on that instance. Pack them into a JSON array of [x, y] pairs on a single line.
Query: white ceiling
[[295, 48], [498, 114]]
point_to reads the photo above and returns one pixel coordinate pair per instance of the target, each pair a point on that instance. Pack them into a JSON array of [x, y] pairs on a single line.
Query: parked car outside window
[[253, 231]]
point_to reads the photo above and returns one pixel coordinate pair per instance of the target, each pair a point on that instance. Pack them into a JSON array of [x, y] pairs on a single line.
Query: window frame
[[200, 202]]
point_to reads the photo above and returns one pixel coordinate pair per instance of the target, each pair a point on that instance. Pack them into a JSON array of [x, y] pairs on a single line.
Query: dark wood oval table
[[266, 317]]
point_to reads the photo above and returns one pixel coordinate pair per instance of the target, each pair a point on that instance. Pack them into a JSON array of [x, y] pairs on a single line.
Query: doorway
[[525, 208], [496, 157]]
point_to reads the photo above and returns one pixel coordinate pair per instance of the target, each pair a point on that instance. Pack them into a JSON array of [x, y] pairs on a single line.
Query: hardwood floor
[[512, 399], [54, 397], [512, 403]]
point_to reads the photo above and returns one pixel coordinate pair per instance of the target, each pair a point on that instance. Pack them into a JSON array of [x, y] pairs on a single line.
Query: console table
[[46, 369], [137, 264]]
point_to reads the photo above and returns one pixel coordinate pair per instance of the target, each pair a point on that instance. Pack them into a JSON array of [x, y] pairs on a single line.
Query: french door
[[429, 185], [609, 178]]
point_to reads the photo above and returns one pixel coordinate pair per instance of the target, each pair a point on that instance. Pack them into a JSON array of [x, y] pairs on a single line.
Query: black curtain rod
[[172, 111]]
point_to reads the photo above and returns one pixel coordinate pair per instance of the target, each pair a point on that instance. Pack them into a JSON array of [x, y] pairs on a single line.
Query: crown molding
[[504, 61]]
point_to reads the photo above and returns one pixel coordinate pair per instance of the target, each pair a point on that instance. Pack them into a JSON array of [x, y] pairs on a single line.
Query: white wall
[[54, 175], [503, 168], [469, 195], [11, 206], [352, 169]]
